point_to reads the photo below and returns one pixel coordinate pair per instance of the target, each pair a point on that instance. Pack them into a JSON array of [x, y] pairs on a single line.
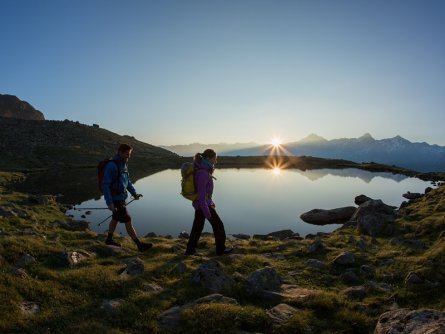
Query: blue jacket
[[115, 186]]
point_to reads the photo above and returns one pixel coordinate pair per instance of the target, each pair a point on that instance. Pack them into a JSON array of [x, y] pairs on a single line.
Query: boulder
[[345, 258], [74, 258], [333, 216], [242, 236], [410, 195], [29, 309], [313, 263], [374, 218], [283, 234], [135, 267], [25, 260], [211, 276], [408, 321], [262, 279], [354, 292], [112, 305], [281, 313], [360, 199]]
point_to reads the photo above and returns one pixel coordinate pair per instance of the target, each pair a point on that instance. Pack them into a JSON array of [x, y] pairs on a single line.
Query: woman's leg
[[195, 234], [218, 231]]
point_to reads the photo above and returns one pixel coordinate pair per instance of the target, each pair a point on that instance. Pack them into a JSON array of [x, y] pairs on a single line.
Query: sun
[[275, 142]]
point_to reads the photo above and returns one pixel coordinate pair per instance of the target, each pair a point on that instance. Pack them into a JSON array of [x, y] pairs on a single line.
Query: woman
[[204, 164]]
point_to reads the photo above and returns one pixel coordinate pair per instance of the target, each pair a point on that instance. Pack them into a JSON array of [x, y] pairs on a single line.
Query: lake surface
[[254, 201]]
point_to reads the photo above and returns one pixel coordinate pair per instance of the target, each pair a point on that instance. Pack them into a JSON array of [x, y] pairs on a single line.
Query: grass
[[70, 299]]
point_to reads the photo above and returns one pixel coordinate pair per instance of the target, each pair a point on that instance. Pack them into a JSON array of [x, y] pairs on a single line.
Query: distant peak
[[312, 138], [366, 136]]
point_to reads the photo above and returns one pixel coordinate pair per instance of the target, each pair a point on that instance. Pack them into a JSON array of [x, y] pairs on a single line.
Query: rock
[[367, 271], [19, 272], [281, 313], [374, 218], [262, 279], [211, 276], [183, 235], [349, 277], [354, 292], [410, 195], [135, 267], [43, 199], [109, 250], [360, 199], [323, 217], [7, 211], [345, 258], [112, 305], [25, 260], [413, 278], [313, 263], [262, 237], [286, 292], [242, 236], [428, 189], [12, 107], [151, 235], [408, 321], [316, 246], [29, 308], [171, 318], [283, 234], [152, 288], [275, 256], [74, 258], [180, 268], [380, 287]]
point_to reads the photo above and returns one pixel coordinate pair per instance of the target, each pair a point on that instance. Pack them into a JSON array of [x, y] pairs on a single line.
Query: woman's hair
[[207, 154]]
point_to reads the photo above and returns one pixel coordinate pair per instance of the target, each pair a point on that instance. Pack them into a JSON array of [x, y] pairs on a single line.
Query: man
[[115, 185]]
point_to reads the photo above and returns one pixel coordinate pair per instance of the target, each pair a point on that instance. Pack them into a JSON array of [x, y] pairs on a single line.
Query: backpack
[[188, 189], [101, 171]]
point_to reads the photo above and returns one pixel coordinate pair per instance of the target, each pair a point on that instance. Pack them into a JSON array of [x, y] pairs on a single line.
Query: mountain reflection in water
[[255, 201]]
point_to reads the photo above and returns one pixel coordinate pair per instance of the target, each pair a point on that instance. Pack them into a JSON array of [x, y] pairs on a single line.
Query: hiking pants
[[198, 225]]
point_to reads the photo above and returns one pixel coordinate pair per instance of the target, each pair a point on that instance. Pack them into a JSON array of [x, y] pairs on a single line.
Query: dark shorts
[[121, 213]]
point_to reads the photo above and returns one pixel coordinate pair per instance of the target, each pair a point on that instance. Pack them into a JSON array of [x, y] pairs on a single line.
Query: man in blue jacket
[[115, 185]]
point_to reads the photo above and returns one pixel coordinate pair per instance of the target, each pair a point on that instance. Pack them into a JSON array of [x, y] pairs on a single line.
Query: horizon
[[198, 71]]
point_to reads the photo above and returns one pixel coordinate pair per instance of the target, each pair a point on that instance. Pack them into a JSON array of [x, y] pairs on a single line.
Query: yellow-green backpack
[[188, 189]]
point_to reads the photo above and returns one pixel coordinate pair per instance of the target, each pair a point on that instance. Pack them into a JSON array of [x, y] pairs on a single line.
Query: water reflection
[[257, 201]]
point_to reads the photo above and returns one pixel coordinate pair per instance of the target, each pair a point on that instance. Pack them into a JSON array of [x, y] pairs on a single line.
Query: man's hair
[[124, 148]]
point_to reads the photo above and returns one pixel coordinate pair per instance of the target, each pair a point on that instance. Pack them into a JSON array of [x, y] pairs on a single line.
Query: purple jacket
[[204, 185]]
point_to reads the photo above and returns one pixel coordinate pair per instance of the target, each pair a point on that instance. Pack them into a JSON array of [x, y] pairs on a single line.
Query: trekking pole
[[90, 208], [103, 221]]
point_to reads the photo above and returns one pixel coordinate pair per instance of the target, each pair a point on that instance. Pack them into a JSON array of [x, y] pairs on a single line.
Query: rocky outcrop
[[374, 218], [12, 107], [411, 321]]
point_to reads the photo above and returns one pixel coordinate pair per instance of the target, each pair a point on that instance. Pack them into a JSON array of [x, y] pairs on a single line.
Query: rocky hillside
[[31, 144], [12, 107]]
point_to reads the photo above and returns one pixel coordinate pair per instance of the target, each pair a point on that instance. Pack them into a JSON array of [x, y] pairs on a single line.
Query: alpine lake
[[248, 200]]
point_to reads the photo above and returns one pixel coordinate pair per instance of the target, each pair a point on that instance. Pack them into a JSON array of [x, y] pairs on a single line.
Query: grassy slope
[[70, 298]]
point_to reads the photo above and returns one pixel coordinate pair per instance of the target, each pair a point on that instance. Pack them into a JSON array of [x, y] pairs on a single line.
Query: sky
[[178, 72]]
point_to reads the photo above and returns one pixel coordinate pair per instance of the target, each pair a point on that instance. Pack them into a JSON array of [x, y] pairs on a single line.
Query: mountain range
[[396, 151]]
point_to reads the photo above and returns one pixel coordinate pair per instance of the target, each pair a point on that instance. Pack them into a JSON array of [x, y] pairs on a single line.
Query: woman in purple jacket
[[204, 164]]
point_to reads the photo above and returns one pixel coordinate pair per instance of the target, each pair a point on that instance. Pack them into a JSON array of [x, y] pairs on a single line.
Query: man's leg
[[111, 229], [195, 234], [142, 246]]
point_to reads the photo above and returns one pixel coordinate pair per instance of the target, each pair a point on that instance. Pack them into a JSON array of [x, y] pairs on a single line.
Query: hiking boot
[[111, 242], [194, 253], [227, 250], [142, 246]]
